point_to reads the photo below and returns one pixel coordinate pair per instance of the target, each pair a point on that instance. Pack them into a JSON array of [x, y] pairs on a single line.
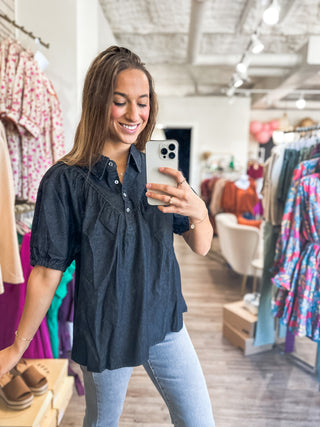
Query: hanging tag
[[41, 60], [39, 56]]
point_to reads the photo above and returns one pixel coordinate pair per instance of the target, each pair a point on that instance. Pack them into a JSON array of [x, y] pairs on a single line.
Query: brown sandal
[[36, 381], [15, 392]]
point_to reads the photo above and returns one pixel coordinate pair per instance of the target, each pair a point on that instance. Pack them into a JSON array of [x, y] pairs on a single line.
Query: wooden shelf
[[239, 328]]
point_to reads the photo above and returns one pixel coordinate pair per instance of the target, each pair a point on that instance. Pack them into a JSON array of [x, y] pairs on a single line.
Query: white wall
[[55, 23], [87, 42], [93, 35], [75, 30], [219, 127]]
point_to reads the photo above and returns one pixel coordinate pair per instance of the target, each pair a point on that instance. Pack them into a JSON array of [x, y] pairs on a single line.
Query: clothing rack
[[21, 28], [303, 129], [288, 347], [289, 354]]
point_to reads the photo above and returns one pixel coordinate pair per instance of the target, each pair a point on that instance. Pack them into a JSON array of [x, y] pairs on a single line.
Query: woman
[[92, 207]]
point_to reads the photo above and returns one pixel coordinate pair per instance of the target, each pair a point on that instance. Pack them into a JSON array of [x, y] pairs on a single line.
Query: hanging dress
[[298, 302]]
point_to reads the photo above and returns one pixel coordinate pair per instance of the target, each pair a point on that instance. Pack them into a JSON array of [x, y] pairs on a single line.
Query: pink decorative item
[[266, 127], [263, 137], [255, 127], [275, 124]]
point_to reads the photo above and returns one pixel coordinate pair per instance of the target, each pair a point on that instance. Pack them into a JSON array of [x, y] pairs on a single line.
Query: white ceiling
[[192, 47]]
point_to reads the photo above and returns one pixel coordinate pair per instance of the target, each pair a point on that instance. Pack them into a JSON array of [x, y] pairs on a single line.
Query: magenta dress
[[11, 307]]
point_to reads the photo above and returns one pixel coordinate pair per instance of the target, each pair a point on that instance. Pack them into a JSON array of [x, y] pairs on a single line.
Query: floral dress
[[298, 254], [32, 117]]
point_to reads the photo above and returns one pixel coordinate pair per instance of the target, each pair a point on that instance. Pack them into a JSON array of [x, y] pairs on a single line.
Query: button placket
[[127, 203], [113, 175]]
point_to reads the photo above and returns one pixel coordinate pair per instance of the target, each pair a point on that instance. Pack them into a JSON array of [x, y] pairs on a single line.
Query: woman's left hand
[[180, 199]]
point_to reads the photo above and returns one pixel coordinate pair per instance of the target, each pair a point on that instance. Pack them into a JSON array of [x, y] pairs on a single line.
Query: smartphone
[[161, 153]]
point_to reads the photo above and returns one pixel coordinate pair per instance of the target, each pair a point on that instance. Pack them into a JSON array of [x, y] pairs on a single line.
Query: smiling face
[[130, 107]]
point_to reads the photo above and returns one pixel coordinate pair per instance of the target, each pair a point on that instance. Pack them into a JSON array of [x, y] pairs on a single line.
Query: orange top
[[238, 201]]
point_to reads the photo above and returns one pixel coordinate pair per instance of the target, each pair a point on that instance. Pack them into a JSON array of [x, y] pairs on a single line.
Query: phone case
[[161, 154]]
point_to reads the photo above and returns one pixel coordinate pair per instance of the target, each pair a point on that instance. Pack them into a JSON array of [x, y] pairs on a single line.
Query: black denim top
[[128, 289]]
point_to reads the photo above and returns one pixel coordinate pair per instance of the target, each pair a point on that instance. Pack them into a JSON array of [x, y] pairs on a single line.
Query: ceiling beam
[[297, 79], [288, 85], [291, 105], [198, 8], [267, 71], [262, 60]]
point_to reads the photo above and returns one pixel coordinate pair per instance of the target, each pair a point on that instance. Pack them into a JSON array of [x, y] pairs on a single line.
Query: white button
[[128, 210], [110, 164], [116, 181], [124, 194]]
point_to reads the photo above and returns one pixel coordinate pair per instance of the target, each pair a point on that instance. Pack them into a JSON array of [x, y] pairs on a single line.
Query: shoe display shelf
[[239, 326], [46, 410]]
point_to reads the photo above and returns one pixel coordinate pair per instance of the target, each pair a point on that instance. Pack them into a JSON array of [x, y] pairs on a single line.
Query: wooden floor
[[266, 389]]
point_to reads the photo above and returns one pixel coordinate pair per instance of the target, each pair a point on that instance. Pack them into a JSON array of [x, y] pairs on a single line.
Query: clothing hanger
[[22, 228]]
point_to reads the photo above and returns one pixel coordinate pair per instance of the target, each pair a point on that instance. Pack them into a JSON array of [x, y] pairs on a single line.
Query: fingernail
[[161, 169], [148, 185], [147, 194]]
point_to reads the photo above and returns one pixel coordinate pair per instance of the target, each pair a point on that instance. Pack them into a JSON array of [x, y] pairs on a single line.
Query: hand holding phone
[[161, 153]]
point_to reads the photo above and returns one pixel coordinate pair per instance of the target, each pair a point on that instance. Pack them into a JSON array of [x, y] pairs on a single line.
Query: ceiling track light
[[230, 91], [256, 45], [242, 66], [301, 102], [237, 81], [272, 13]]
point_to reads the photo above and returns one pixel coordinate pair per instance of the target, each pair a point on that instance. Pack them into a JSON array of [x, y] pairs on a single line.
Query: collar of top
[[99, 168]]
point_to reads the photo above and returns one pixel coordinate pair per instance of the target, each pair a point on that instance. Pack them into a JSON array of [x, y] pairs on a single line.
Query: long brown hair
[[97, 98]]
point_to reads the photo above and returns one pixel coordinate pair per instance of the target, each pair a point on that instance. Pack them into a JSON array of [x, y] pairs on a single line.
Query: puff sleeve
[[180, 224], [56, 228]]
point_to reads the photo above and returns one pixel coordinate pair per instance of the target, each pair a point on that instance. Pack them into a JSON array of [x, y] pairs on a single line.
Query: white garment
[[243, 182], [272, 210]]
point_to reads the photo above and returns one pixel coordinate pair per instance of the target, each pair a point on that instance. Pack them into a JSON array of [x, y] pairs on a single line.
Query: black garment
[[290, 161], [267, 148], [128, 289]]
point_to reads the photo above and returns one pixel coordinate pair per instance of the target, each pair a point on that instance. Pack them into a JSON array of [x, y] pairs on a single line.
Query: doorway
[[183, 136]]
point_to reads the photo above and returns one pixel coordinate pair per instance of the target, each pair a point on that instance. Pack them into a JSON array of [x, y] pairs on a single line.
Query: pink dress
[[11, 307]]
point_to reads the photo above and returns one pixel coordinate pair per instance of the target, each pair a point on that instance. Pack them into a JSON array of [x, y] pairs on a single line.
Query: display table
[[46, 410]]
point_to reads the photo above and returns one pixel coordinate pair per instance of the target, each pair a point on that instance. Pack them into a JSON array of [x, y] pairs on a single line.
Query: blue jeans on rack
[[174, 368]]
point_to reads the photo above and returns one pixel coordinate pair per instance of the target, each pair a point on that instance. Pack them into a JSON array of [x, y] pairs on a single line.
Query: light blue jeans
[[174, 368]]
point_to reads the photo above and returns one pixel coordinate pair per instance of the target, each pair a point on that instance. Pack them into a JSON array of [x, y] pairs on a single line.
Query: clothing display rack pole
[[29, 33], [314, 369], [303, 129]]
